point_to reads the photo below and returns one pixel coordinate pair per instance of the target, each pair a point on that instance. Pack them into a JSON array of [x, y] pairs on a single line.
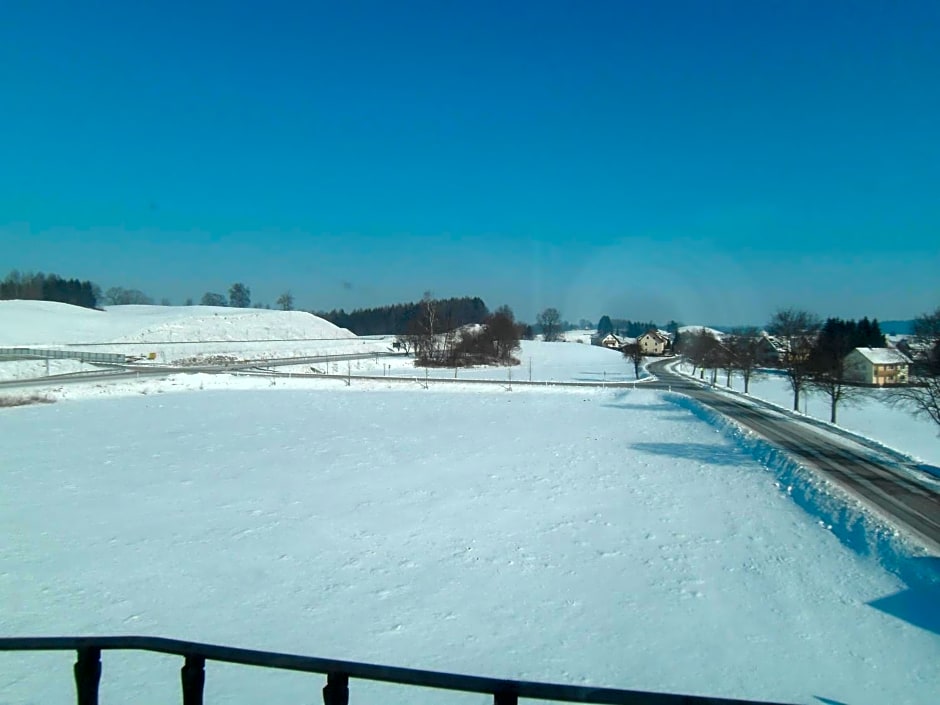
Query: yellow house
[[878, 366], [653, 342]]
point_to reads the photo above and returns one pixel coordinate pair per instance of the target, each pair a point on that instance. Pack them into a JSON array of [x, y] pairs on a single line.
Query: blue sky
[[706, 161]]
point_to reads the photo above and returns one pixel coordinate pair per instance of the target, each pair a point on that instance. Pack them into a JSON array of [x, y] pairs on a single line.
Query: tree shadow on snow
[[699, 452], [919, 604]]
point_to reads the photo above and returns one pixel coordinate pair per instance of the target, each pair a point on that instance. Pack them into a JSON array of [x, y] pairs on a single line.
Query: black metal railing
[[87, 672]]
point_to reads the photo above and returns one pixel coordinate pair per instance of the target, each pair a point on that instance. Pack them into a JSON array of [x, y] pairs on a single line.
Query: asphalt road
[[879, 482], [137, 371]]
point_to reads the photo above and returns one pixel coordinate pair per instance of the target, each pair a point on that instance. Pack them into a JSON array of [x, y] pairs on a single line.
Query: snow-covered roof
[[778, 344], [662, 336], [883, 356]]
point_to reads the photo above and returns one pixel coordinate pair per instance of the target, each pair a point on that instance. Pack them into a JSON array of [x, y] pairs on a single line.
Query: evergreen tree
[[49, 287], [399, 319]]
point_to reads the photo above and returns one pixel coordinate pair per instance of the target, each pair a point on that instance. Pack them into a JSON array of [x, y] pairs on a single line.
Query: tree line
[[811, 354], [400, 319], [49, 287], [629, 329]]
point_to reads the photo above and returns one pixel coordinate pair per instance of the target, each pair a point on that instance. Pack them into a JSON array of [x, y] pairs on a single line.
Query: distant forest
[[49, 287], [628, 328], [398, 319]]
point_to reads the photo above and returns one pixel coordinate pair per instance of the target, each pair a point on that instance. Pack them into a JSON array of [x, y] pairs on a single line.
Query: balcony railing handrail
[[89, 647]]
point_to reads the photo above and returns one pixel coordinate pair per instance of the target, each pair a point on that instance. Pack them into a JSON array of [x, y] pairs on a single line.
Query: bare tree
[[404, 342], [239, 296], [550, 322], [829, 379], [286, 301], [827, 365], [502, 330], [798, 329], [927, 329], [726, 360], [119, 296], [699, 349], [634, 353], [213, 299], [743, 345], [423, 330], [921, 396]]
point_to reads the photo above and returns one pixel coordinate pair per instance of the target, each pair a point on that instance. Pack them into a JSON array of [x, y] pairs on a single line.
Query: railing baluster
[[193, 676], [87, 671], [87, 676], [336, 690]]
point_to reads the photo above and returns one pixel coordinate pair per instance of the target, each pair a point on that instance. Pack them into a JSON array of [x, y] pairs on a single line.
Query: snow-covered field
[[575, 535], [538, 361], [605, 538], [868, 415]]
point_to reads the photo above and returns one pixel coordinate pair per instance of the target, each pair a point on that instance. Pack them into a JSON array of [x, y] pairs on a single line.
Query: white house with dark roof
[[878, 366], [614, 342]]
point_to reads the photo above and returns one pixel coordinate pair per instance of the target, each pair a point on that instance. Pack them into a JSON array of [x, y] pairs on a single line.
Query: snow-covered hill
[[24, 323], [694, 330]]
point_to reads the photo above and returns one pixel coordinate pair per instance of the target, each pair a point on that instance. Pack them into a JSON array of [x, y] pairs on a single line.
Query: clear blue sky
[[704, 161]]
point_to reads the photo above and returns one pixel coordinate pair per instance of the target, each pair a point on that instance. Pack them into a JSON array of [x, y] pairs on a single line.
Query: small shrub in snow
[[24, 400]]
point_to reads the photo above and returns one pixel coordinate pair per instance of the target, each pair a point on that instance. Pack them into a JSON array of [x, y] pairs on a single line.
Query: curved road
[[877, 481]]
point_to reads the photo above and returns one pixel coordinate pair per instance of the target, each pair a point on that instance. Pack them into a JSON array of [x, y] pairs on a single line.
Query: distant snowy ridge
[[698, 330]]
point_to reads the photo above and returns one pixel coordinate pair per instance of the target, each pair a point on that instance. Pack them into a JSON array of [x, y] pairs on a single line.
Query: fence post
[[336, 690], [87, 675], [193, 677], [505, 698]]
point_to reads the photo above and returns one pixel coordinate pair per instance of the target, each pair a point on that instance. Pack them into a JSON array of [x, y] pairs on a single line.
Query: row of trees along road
[[922, 395], [812, 353]]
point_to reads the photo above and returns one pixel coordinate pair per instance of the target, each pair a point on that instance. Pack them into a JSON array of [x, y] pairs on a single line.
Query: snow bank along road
[[873, 479]]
